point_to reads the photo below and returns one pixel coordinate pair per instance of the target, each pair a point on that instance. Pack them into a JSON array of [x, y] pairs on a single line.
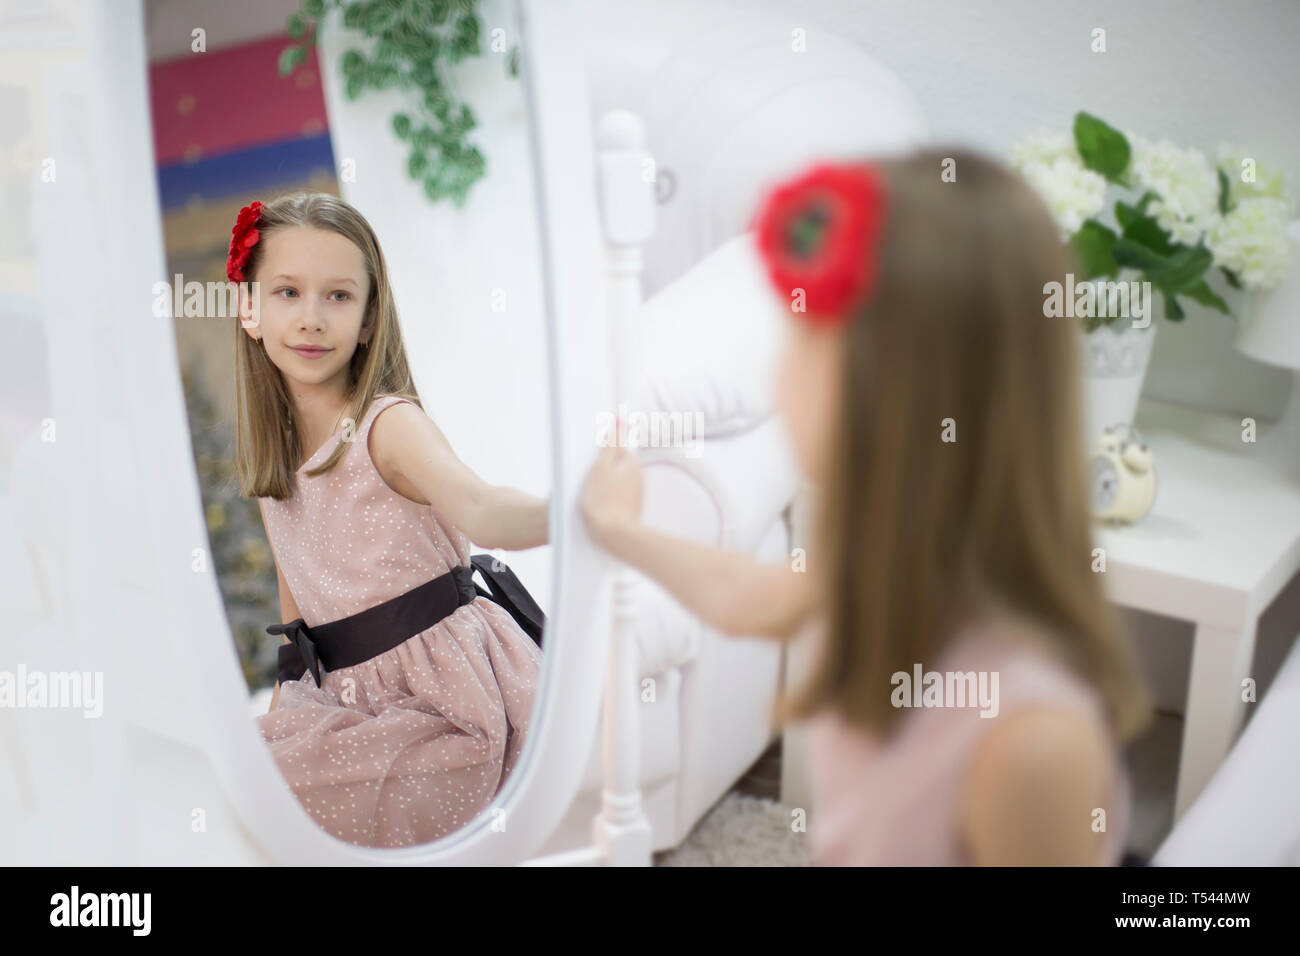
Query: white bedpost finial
[[625, 180]]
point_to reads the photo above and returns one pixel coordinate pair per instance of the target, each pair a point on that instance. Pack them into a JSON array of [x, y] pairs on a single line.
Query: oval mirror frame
[[538, 793]]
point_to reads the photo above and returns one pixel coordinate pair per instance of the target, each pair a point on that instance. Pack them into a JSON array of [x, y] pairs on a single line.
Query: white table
[[1220, 542]]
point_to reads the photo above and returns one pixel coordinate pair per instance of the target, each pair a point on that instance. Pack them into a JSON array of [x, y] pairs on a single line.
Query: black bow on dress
[[302, 651]]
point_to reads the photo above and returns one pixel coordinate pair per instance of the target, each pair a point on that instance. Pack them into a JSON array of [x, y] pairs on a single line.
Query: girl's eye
[[279, 291], [345, 295]]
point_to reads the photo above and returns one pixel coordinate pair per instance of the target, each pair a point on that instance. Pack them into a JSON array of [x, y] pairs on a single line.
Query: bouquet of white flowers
[[1188, 216]]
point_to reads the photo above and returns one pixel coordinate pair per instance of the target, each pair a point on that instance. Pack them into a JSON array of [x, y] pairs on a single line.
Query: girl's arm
[[728, 590], [416, 460], [288, 606]]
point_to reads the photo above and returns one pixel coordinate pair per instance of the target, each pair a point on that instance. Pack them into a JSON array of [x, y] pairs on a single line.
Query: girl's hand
[[611, 495]]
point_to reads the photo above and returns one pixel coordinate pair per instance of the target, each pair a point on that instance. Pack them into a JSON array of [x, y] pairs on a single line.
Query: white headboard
[[731, 100]]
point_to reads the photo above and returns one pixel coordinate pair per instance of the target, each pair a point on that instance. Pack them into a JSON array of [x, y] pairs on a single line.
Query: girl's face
[[313, 287], [809, 380]]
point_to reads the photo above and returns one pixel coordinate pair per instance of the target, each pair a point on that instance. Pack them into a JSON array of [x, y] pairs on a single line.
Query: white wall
[[481, 373], [1194, 71]]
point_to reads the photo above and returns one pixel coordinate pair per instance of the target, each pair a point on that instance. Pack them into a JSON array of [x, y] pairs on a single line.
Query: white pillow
[[708, 342]]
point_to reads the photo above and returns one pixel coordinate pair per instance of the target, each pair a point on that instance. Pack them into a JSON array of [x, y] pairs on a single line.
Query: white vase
[[1115, 359]]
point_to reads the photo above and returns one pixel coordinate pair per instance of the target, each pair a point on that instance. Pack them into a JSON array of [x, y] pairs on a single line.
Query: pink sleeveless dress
[[414, 743], [894, 803]]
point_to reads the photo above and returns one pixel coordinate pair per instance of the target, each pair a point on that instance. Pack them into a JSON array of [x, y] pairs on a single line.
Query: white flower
[[1252, 242], [1268, 181], [1042, 148], [1185, 184], [1071, 192]]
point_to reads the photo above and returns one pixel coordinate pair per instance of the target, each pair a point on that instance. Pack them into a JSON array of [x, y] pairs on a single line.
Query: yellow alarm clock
[[1123, 476]]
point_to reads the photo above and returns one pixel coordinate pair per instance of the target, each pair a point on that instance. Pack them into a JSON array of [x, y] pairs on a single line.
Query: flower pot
[[1115, 360]]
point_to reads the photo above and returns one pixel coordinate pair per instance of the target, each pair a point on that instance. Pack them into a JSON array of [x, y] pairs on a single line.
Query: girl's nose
[[310, 318]]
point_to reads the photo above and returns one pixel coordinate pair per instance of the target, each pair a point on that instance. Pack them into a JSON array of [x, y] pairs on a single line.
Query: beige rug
[[741, 831]]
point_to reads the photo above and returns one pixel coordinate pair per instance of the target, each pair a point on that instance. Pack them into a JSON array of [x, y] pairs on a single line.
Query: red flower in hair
[[242, 240], [818, 232]]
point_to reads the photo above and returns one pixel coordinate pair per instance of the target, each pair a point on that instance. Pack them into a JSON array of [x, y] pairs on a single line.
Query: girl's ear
[[249, 311]]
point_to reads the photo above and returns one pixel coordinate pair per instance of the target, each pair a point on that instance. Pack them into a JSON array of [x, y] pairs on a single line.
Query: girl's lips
[[310, 351]]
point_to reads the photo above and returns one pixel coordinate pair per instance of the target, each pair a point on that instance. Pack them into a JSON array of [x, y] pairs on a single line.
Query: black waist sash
[[369, 633]]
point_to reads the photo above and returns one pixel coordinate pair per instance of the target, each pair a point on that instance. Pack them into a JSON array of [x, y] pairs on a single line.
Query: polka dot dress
[[414, 743]]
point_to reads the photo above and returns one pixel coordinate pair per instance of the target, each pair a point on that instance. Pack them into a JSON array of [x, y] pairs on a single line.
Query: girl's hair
[[919, 536], [268, 447]]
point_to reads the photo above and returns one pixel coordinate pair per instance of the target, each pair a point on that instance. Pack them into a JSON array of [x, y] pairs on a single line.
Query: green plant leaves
[[1180, 272], [353, 63], [414, 41], [1094, 246], [291, 57], [1225, 194], [1102, 148], [1202, 293], [1140, 227]]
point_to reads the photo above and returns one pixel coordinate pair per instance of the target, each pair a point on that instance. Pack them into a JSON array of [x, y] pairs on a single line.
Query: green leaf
[[1093, 245], [1185, 268], [1142, 228], [313, 8], [417, 165], [290, 58], [353, 63], [1172, 273], [295, 26], [425, 138], [1173, 311], [1103, 149], [402, 125], [1203, 294], [1225, 191], [1231, 277], [512, 64], [377, 18]]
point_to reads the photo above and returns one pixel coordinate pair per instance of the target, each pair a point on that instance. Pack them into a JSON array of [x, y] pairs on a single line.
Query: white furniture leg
[[1220, 662]]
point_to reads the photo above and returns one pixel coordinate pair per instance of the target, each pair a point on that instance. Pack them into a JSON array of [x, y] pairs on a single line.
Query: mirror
[[113, 569], [395, 263]]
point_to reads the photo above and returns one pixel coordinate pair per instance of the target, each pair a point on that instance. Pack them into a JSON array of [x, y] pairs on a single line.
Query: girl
[[936, 410], [403, 699]]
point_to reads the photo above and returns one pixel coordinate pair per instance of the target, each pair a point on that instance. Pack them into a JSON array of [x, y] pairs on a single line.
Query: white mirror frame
[[535, 798], [174, 769]]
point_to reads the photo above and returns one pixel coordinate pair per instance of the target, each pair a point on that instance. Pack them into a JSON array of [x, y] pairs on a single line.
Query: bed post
[[625, 182]]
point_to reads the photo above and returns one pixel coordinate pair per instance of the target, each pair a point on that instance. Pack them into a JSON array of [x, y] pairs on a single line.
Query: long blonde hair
[[920, 535], [268, 447]]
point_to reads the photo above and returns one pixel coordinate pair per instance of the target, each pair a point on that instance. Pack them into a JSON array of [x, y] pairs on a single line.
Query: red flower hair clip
[[242, 240], [818, 232]]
